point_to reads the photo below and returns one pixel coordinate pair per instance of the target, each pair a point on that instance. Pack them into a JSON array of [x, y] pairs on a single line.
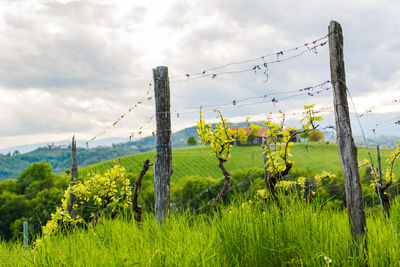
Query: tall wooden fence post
[[26, 237], [346, 146], [163, 163], [74, 178]]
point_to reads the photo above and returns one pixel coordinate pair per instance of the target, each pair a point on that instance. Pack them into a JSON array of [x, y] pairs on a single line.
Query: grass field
[[249, 234], [198, 160]]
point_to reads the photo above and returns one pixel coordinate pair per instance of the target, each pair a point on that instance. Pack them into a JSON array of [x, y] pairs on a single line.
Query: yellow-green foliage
[[315, 136], [301, 182], [319, 178], [388, 175], [278, 139], [111, 189], [242, 136], [310, 118], [219, 138]]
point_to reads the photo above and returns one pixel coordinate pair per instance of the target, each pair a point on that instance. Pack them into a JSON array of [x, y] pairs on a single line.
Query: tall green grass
[[242, 234]]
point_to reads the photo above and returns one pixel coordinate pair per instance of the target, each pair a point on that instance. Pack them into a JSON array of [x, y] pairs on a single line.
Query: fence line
[[263, 58]]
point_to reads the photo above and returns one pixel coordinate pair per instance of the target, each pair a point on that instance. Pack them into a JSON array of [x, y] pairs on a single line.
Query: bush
[[188, 188], [192, 141], [315, 136]]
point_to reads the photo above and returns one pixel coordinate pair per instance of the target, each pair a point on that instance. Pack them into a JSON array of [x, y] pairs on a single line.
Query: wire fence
[[309, 159]]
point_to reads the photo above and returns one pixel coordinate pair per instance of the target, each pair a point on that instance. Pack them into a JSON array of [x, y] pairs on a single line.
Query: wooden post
[[26, 240], [163, 163], [378, 153], [74, 178], [346, 146], [267, 174]]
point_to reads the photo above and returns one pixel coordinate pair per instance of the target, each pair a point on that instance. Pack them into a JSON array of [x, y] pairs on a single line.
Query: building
[[259, 138]]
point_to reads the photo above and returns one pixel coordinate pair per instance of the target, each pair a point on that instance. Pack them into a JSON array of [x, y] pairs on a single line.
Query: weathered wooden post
[[346, 146], [74, 178], [378, 154], [26, 237], [163, 163], [267, 174]]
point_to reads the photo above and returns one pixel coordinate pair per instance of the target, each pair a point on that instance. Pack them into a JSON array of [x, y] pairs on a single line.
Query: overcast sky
[[73, 67]]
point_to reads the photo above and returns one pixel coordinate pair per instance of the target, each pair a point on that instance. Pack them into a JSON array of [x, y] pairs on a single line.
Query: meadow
[[245, 233]]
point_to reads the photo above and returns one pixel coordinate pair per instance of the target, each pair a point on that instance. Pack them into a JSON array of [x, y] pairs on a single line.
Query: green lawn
[[199, 161]]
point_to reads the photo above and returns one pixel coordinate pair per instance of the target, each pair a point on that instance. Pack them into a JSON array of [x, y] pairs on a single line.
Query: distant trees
[[191, 141]]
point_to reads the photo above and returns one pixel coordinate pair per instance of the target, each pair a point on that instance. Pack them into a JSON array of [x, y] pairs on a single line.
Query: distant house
[[259, 138], [102, 147]]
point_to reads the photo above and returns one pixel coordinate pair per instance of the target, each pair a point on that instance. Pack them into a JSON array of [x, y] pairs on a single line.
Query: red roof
[[261, 132]]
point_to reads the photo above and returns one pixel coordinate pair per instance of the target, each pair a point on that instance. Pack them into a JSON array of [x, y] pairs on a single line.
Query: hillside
[[11, 165], [59, 158], [198, 161]]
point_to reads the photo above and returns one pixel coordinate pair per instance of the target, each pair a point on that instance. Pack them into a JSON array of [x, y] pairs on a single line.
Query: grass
[[198, 160], [249, 234]]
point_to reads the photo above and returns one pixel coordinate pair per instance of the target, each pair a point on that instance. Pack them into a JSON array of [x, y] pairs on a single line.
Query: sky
[[73, 67]]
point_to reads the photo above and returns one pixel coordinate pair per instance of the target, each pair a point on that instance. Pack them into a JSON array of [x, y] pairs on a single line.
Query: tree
[[12, 207], [277, 150], [315, 136], [36, 178], [220, 138], [191, 141], [381, 184], [9, 186]]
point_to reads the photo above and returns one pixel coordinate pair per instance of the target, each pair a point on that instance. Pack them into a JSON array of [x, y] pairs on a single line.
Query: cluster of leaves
[[219, 137], [279, 139], [110, 190], [300, 184], [243, 137], [277, 145], [388, 175]]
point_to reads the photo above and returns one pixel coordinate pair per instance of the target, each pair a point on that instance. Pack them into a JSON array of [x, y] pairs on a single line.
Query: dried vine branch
[[138, 184]]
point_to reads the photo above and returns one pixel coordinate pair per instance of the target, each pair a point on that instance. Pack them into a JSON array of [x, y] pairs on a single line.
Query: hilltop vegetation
[[11, 166]]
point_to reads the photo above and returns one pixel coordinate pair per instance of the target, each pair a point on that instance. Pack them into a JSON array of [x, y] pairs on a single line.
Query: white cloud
[[75, 66]]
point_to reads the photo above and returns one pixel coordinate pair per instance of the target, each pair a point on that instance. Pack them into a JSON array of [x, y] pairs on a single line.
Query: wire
[[377, 184], [235, 103], [277, 54], [145, 97]]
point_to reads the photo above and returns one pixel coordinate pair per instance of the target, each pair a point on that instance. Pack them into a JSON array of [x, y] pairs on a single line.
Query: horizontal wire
[[145, 97], [252, 60]]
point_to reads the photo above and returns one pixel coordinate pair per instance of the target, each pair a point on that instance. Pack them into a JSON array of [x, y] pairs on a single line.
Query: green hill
[[59, 158], [199, 161]]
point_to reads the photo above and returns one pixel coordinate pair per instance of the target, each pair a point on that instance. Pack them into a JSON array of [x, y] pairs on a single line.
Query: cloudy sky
[[73, 67]]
